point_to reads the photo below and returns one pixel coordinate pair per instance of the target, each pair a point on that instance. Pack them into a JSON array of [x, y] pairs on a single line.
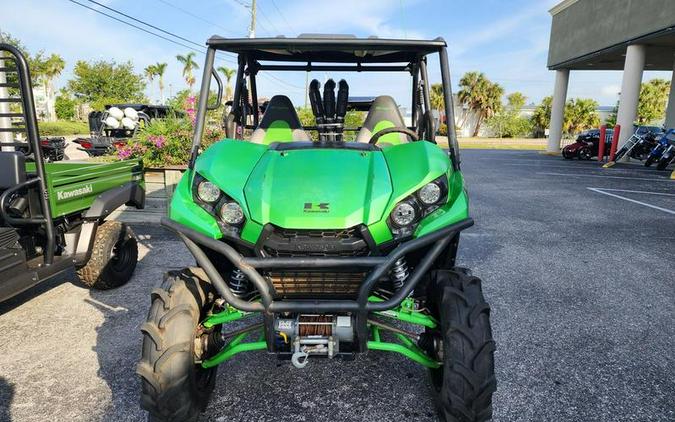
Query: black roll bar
[[380, 266], [449, 109], [33, 136], [248, 266], [334, 68]]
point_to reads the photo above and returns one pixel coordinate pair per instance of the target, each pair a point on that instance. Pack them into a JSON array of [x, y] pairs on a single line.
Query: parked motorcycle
[[663, 144], [669, 153], [639, 145]]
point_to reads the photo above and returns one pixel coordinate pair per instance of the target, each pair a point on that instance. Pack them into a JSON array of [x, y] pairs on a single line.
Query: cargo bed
[[74, 185]]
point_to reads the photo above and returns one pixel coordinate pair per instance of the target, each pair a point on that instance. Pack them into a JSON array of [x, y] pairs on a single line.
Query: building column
[[562, 77], [630, 90], [670, 111]]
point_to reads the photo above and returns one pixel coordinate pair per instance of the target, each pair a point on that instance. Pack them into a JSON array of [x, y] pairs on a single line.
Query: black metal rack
[[27, 125]]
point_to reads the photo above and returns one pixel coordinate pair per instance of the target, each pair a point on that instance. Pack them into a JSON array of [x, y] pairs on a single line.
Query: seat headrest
[[280, 108], [384, 108]]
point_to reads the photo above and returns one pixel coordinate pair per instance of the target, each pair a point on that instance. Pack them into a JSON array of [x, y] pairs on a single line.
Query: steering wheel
[[386, 131]]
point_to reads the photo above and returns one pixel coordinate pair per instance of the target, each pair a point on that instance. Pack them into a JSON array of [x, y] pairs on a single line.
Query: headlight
[[231, 213], [207, 191], [430, 193], [411, 210], [404, 214]]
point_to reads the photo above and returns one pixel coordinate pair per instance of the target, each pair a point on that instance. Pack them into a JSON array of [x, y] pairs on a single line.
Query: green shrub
[[166, 142], [509, 125], [62, 128], [65, 107], [443, 129]]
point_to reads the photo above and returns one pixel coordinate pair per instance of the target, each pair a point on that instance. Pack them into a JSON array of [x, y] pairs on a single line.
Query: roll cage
[[322, 53]]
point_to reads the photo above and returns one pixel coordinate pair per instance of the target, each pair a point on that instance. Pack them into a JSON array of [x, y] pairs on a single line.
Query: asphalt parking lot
[[577, 264]]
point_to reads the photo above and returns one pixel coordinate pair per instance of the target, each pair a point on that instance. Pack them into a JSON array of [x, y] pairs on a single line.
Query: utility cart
[[53, 215], [311, 249]]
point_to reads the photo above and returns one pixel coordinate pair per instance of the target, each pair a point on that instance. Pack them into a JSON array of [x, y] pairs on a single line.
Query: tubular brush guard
[[361, 307]]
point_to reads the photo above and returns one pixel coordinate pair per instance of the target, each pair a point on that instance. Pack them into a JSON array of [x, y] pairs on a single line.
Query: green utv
[[310, 248], [53, 215]]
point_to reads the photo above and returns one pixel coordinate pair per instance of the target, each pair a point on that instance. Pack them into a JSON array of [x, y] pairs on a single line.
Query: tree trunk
[[465, 116], [478, 121]]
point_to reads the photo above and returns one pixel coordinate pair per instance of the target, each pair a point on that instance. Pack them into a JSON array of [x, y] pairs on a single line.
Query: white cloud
[[362, 17]]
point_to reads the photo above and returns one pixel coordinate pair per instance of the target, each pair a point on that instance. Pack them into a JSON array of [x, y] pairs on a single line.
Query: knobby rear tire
[[175, 388], [113, 257], [464, 384]]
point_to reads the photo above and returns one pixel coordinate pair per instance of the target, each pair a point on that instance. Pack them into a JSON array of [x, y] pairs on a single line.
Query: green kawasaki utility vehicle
[[52, 215], [327, 248]]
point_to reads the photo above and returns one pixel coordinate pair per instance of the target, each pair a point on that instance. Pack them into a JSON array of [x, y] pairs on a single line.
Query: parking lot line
[[651, 179], [602, 191], [573, 166], [636, 191]]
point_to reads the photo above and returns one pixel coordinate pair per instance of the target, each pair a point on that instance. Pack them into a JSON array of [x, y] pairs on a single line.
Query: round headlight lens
[[403, 214], [231, 213], [207, 191], [430, 194]]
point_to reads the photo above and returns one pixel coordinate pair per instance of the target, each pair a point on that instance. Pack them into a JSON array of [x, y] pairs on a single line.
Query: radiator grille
[[304, 283]]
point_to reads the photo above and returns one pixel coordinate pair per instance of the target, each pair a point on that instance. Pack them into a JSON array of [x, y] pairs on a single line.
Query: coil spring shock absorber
[[399, 273], [238, 282]]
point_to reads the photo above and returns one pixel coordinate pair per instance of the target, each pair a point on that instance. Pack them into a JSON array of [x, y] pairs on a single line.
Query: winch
[[313, 334]]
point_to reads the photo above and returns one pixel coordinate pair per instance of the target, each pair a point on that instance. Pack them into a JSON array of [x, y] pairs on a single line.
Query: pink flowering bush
[[167, 141]]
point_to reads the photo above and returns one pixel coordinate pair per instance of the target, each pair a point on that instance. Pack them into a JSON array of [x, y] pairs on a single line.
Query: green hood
[[318, 188]]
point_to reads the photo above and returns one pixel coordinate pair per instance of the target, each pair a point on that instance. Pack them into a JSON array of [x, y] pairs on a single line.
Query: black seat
[[383, 113], [280, 123]]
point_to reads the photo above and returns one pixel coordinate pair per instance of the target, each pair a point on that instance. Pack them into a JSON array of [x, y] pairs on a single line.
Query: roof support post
[[562, 77], [202, 106], [670, 111], [630, 90], [453, 145]]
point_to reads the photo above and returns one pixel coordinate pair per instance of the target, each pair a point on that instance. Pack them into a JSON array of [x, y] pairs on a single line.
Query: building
[[628, 35]]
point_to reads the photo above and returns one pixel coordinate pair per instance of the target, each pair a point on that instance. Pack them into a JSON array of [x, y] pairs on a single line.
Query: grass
[[497, 143], [62, 128]]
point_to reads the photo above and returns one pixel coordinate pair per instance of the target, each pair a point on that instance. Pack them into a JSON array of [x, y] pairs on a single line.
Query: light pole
[[251, 28]]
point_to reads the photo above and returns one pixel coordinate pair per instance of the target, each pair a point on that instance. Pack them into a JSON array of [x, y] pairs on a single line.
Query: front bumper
[[377, 267]]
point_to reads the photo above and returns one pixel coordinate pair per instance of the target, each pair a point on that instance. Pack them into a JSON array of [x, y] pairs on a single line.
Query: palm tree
[[580, 114], [436, 97], [541, 118], [229, 73], [160, 68], [53, 66], [481, 96], [468, 93], [188, 66], [150, 71], [492, 104]]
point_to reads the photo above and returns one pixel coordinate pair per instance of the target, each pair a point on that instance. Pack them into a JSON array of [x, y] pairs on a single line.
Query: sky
[[507, 40]]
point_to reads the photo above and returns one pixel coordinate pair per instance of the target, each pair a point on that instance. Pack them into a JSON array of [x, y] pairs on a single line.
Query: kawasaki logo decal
[[320, 207], [67, 194]]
